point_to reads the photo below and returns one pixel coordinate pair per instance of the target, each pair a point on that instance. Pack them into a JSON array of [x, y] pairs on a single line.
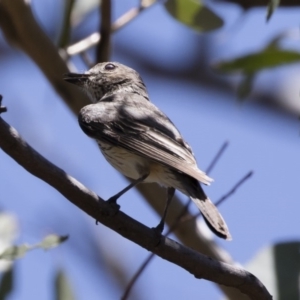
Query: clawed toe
[[111, 209], [112, 200], [160, 227]]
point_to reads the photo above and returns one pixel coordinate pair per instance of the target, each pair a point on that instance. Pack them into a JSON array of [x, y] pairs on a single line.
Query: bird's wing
[[147, 132]]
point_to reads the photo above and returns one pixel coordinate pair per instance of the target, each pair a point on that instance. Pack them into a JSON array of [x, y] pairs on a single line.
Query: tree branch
[[3, 109], [246, 4], [199, 265], [21, 29], [103, 49]]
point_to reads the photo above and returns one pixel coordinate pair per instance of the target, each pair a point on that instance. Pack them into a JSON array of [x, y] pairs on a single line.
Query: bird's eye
[[109, 67]]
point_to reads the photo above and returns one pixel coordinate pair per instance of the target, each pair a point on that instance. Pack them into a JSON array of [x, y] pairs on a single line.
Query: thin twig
[[63, 40], [103, 48], [84, 44], [136, 276], [217, 157], [94, 38], [86, 59], [235, 187], [3, 109], [126, 18], [224, 197]]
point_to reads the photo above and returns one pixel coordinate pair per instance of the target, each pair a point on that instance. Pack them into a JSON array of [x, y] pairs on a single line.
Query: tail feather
[[213, 218]]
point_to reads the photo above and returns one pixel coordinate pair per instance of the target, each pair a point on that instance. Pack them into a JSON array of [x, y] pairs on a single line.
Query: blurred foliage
[[15, 252], [64, 38], [194, 14], [81, 9], [63, 290], [7, 283], [278, 267], [249, 65], [147, 3], [272, 5]]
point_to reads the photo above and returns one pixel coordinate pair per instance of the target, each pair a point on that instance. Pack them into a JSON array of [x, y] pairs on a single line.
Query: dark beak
[[78, 79]]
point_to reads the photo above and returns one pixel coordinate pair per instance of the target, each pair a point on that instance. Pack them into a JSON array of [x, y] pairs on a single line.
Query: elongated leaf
[[15, 252], [9, 230], [269, 58], [63, 290], [194, 14], [64, 38], [7, 283], [51, 241], [272, 5]]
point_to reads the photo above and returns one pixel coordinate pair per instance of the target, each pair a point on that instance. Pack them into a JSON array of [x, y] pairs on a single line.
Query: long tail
[[213, 218]]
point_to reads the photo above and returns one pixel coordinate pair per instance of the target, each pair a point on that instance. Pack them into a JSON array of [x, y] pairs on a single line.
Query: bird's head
[[107, 78]]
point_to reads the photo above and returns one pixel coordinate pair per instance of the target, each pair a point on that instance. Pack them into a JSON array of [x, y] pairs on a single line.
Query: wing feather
[[149, 143], [131, 122]]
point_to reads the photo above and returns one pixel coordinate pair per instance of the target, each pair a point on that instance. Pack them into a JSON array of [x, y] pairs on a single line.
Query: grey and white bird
[[139, 140]]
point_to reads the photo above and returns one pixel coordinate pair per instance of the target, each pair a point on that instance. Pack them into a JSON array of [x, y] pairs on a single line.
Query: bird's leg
[[114, 198], [170, 194]]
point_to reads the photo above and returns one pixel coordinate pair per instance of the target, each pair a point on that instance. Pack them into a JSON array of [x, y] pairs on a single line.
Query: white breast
[[129, 164], [134, 166]]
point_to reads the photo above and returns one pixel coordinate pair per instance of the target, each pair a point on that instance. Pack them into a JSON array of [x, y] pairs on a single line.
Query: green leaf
[[7, 284], [272, 5], [15, 252], [269, 58], [193, 14], [63, 290]]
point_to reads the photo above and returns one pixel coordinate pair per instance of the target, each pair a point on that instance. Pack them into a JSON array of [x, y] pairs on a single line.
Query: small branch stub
[[3, 109]]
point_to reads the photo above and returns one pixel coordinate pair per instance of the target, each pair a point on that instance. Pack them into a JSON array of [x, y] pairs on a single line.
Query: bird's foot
[[160, 227], [158, 232], [113, 199], [114, 207], [111, 209]]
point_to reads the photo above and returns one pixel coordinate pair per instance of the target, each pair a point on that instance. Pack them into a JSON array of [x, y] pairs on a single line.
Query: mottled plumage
[[138, 139]]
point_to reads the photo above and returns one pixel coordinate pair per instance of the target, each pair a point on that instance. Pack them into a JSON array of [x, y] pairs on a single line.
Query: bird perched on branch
[[139, 140]]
